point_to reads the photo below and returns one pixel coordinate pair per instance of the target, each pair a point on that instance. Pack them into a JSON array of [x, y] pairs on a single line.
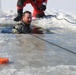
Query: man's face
[[27, 18]]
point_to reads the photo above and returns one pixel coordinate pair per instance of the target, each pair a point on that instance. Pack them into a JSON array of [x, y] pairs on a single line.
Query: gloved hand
[[20, 3], [43, 7], [34, 0], [40, 15]]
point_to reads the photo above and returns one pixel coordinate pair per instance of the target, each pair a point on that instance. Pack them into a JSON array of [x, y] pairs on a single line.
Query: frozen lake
[[30, 55], [52, 53]]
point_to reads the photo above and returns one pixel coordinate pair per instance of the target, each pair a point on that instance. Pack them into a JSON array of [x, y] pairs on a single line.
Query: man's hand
[[43, 7], [34, 0]]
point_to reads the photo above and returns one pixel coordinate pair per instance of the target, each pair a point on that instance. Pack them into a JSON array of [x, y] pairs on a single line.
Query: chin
[[28, 22]]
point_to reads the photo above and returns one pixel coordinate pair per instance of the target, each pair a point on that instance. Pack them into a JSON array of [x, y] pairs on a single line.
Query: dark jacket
[[21, 28]]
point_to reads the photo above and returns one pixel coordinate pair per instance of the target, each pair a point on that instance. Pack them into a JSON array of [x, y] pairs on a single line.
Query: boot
[[19, 16]]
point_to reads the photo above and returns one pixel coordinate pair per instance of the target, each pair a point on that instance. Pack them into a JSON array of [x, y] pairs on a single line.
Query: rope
[[53, 44], [60, 19], [66, 20]]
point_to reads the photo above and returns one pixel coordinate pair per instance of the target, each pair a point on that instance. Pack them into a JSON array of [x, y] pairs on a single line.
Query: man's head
[[27, 17]]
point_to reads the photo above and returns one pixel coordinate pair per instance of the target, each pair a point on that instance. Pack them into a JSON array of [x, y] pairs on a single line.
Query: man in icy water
[[24, 26]]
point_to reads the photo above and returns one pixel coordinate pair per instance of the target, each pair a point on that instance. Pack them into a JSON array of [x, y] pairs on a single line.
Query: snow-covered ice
[[29, 55]]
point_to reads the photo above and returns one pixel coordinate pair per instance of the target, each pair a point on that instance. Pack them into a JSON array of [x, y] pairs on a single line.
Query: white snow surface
[[56, 70], [64, 22], [47, 23]]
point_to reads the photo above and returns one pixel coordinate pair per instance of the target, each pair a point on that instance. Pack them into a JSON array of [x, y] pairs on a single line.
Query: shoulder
[[17, 28], [19, 25]]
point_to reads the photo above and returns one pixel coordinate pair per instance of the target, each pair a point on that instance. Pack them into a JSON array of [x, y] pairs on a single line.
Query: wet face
[[27, 18]]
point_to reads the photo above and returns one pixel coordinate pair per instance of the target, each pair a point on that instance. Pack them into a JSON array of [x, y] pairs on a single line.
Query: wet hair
[[26, 12]]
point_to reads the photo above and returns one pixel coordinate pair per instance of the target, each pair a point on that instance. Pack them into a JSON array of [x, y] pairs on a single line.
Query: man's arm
[[17, 29]]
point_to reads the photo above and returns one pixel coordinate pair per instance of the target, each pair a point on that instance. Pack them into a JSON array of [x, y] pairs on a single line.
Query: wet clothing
[[38, 5], [21, 28]]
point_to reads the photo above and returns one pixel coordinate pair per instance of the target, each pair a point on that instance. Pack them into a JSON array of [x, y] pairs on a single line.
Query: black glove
[[20, 3], [42, 7], [40, 15], [34, 0]]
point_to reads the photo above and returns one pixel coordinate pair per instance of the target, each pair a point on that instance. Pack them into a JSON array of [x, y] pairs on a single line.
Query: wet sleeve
[[17, 29]]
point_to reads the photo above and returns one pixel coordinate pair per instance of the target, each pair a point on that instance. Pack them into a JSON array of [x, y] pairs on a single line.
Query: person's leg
[[37, 12], [20, 5]]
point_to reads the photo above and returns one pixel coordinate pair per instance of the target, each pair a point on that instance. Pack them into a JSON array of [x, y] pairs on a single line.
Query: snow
[[63, 30], [55, 70]]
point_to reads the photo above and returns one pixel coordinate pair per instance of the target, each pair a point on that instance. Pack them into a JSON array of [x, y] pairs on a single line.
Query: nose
[[30, 19]]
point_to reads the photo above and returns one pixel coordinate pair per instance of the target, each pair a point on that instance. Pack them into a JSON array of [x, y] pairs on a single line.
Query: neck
[[24, 23]]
